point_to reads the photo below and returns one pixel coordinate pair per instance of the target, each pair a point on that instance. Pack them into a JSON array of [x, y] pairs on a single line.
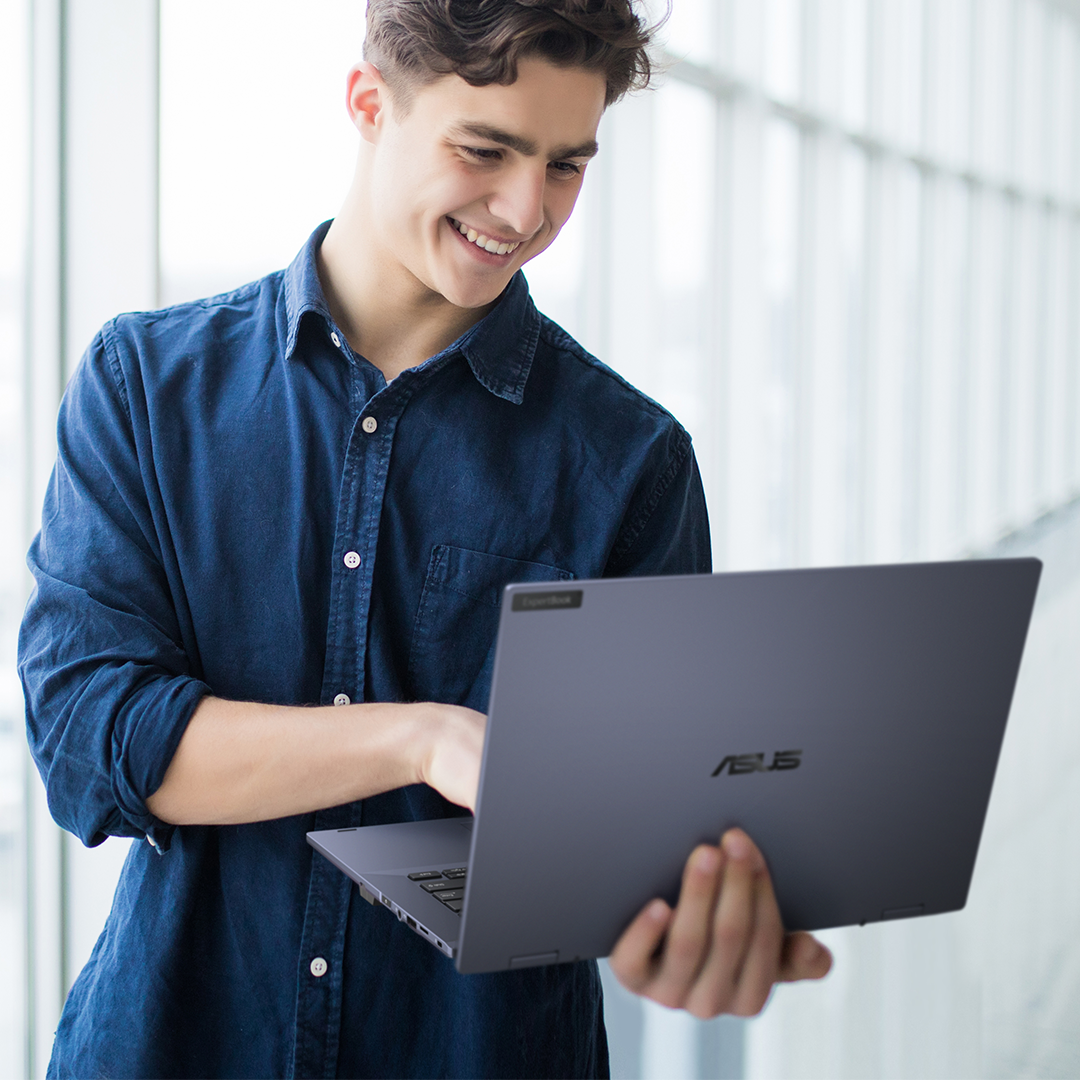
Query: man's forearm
[[239, 762]]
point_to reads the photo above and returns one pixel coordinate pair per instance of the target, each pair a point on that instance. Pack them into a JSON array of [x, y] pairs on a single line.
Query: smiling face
[[470, 182]]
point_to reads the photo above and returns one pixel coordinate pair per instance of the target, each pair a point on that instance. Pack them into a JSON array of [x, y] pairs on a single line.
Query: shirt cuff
[[144, 742]]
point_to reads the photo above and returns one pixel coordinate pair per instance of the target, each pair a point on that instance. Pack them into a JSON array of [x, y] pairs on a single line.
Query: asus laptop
[[848, 719]]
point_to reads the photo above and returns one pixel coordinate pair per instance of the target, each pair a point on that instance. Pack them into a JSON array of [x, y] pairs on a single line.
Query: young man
[[268, 576]]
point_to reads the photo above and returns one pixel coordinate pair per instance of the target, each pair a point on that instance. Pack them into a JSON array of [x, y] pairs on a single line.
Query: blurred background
[[840, 241]]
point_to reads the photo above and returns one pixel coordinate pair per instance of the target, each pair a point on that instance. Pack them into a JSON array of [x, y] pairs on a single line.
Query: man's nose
[[519, 200]]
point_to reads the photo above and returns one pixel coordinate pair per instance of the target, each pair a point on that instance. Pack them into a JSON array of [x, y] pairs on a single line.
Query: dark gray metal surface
[[380, 858], [607, 721]]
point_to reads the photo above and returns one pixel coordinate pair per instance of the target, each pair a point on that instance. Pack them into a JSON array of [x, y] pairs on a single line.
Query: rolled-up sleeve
[[108, 683]]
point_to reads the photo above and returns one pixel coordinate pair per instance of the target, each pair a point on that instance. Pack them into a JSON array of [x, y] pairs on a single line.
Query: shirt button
[[370, 425], [343, 699], [318, 967], [336, 340], [352, 560]]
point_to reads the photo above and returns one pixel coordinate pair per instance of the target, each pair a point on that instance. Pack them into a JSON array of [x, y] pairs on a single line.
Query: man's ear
[[366, 99]]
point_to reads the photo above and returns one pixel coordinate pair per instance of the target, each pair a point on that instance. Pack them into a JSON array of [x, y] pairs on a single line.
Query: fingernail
[[737, 845], [707, 860], [657, 911]]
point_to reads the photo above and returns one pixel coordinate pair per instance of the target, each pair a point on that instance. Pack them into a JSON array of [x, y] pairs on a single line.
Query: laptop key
[[456, 872], [449, 894], [455, 905], [424, 875], [431, 886]]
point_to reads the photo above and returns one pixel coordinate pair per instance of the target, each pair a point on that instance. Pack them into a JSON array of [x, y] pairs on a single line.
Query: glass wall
[[853, 281], [14, 207], [256, 144]]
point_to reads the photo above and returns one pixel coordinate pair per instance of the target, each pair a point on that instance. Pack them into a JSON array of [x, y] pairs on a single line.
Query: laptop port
[[411, 921]]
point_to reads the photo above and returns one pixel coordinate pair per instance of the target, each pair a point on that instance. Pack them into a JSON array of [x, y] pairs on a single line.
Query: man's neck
[[387, 315]]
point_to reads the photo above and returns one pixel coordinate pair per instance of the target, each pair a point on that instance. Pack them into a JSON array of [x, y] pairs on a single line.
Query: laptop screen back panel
[[849, 719]]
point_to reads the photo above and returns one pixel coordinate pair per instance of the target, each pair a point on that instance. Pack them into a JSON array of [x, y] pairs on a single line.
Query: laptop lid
[[849, 719]]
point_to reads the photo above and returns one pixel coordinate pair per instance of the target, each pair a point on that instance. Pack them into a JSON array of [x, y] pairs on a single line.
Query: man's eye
[[482, 153], [566, 168]]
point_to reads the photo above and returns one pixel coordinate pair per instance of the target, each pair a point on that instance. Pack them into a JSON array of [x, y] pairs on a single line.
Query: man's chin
[[474, 296]]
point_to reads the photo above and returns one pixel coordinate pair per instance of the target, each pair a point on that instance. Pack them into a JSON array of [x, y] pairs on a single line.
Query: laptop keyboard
[[447, 886]]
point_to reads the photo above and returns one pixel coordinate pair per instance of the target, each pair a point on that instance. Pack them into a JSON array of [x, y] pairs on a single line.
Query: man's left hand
[[723, 948]]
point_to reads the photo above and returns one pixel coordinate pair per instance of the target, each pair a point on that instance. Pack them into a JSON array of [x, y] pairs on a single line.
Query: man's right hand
[[240, 761], [452, 765]]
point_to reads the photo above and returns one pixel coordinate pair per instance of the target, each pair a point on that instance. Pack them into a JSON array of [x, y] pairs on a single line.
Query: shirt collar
[[303, 290], [499, 348]]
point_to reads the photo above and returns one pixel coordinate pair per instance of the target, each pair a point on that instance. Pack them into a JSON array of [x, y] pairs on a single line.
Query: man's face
[[472, 182]]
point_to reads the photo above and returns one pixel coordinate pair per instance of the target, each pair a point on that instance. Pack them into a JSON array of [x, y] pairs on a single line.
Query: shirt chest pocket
[[453, 642]]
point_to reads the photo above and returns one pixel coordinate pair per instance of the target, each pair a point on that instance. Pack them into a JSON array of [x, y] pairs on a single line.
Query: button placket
[[318, 1006], [360, 500], [356, 535]]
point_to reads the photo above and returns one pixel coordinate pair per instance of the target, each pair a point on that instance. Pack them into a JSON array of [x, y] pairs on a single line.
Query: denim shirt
[[242, 506]]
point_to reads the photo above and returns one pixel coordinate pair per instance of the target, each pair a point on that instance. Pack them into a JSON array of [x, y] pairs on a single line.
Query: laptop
[[849, 719]]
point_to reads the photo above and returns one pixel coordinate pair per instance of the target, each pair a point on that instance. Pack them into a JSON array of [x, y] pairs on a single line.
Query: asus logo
[[737, 764]]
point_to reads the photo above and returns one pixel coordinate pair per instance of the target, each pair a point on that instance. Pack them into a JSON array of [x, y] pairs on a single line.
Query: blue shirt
[[242, 506]]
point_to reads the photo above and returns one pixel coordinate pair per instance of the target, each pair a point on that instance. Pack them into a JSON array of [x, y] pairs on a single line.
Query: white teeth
[[482, 241]]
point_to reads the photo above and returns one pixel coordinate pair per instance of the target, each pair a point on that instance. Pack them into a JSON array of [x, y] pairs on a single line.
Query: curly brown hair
[[415, 42]]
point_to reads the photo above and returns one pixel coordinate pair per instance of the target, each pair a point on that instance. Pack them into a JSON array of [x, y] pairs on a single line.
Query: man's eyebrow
[[521, 144]]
